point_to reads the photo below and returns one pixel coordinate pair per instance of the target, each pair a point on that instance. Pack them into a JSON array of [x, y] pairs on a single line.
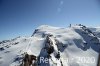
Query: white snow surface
[[75, 47]]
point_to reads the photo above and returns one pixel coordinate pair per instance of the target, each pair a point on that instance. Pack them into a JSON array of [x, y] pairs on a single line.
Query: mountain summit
[[53, 46]]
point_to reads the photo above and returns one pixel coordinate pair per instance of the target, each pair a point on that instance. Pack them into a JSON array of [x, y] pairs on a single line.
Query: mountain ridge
[[72, 43]]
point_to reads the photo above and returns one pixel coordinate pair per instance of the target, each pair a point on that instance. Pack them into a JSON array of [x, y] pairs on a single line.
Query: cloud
[[60, 6], [61, 2], [59, 10]]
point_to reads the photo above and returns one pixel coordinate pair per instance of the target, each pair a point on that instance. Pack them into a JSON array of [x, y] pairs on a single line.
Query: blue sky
[[21, 17]]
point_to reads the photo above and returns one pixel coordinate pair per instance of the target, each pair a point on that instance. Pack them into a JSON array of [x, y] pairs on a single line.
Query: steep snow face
[[77, 46]]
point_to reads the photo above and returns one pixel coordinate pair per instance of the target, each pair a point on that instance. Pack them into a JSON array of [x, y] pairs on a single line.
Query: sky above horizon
[[21, 17]]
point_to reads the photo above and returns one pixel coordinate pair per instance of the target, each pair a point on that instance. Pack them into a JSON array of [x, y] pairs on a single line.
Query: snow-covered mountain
[[73, 46]]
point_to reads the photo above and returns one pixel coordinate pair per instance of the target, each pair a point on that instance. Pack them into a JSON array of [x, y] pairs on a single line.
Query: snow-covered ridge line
[[56, 44]]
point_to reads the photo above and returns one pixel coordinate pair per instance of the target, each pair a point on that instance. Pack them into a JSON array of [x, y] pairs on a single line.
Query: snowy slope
[[96, 30], [77, 45]]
